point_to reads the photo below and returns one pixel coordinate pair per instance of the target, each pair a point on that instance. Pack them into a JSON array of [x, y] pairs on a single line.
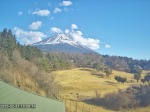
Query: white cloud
[[77, 36], [88, 42], [56, 10], [28, 37], [56, 30], [66, 3], [107, 46], [67, 31], [44, 12], [20, 13], [35, 25], [74, 26], [79, 32]]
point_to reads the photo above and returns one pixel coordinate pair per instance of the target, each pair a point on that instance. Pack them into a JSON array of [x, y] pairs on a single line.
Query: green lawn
[[12, 95]]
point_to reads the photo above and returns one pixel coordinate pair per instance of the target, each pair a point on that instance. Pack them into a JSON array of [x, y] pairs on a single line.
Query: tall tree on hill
[[4, 39], [7, 42], [137, 76], [11, 43], [108, 72], [96, 66]]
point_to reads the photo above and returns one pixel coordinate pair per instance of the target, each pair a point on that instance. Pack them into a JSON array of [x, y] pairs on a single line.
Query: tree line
[[125, 63]]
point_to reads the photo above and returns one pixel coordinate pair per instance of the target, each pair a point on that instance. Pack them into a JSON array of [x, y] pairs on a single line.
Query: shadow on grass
[[111, 83], [86, 69], [96, 102]]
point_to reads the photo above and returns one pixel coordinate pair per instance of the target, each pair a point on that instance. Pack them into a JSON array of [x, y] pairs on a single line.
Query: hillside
[[82, 84], [12, 95], [85, 81]]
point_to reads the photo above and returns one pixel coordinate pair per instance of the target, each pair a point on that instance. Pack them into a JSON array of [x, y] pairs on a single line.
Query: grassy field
[[12, 95], [85, 83]]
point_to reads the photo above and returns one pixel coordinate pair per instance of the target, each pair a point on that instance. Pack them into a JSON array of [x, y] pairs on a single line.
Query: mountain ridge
[[62, 43]]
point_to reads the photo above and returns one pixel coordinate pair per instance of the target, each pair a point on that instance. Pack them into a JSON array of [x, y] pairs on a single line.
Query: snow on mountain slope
[[62, 43], [59, 38]]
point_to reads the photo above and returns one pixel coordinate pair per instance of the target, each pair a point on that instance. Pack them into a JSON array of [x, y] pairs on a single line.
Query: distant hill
[[84, 56], [125, 63]]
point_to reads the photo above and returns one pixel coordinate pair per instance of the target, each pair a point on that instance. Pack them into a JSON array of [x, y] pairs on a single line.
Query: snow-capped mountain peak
[[62, 43], [59, 38]]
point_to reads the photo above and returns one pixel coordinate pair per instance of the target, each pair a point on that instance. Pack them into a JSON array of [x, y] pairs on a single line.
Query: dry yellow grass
[[123, 74], [81, 81], [145, 72]]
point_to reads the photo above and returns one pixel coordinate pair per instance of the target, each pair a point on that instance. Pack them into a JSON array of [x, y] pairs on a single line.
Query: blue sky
[[114, 27]]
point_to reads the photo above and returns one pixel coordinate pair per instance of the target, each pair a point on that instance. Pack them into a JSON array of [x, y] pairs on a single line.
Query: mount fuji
[[62, 43]]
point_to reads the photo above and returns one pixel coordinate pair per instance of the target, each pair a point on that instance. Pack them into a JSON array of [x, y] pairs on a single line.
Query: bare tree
[[53, 86]]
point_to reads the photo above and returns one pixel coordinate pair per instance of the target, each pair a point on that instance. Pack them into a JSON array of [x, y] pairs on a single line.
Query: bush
[[143, 95], [115, 101], [120, 100], [120, 79], [132, 97]]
